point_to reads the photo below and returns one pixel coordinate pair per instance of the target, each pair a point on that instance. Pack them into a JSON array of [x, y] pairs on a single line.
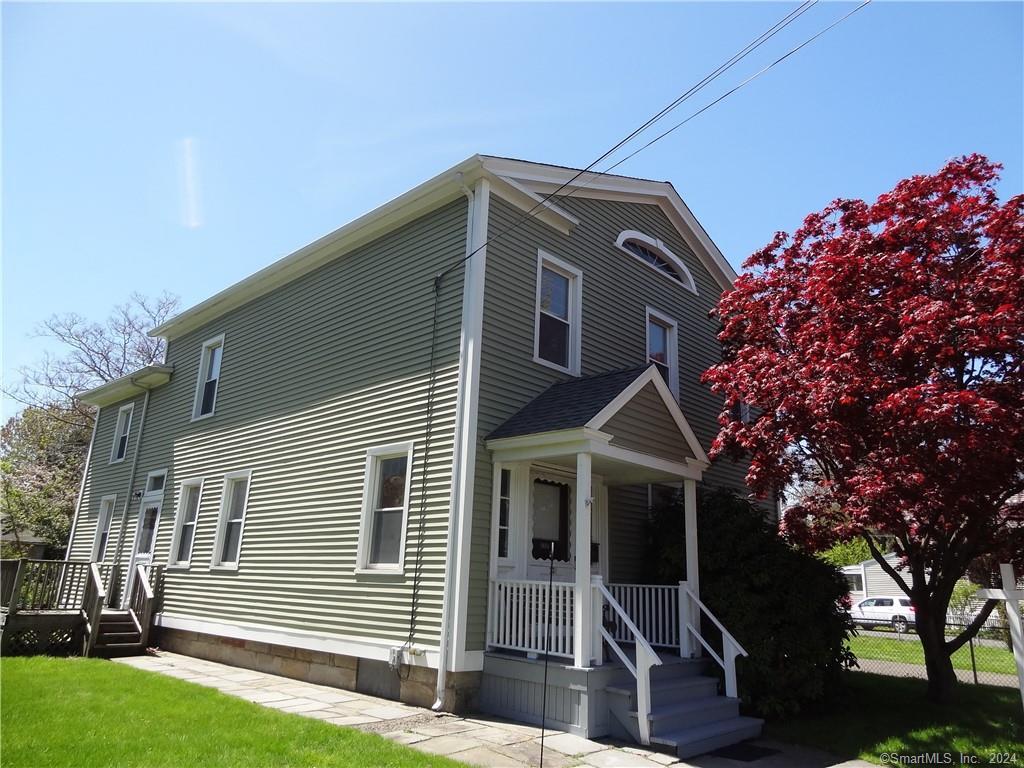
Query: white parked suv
[[884, 610]]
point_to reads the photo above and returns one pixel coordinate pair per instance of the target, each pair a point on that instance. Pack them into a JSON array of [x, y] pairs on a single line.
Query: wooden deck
[[70, 608]]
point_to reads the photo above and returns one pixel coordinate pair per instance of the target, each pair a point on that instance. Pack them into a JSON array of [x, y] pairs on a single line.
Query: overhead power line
[[709, 78]]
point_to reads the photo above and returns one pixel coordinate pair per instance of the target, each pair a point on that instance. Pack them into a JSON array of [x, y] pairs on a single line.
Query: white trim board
[[360, 647]]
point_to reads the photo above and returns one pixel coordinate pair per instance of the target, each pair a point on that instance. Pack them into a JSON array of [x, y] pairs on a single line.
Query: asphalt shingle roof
[[567, 404]]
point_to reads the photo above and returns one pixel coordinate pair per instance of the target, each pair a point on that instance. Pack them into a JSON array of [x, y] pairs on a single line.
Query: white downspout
[[449, 574]]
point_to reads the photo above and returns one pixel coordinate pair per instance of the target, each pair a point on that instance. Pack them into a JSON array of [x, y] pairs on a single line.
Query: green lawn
[[90, 712], [909, 651], [879, 715]]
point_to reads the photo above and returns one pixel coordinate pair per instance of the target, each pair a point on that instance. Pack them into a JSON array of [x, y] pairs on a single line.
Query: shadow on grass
[[875, 715]]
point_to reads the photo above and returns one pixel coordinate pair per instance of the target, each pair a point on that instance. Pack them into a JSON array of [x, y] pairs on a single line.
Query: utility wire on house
[[753, 45]]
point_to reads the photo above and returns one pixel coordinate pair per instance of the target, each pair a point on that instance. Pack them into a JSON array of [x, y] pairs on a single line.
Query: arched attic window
[[654, 254]]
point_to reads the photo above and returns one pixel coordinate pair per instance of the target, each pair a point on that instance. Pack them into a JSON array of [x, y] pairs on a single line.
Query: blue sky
[[181, 147]]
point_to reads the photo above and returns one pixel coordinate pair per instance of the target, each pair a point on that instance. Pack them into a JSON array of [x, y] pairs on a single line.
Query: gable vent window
[[209, 378], [652, 252]]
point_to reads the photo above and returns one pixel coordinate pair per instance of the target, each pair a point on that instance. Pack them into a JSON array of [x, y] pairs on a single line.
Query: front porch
[[556, 463]]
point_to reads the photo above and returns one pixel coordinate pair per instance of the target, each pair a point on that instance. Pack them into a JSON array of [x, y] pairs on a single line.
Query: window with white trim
[[656, 255], [209, 378], [740, 412], [185, 522], [504, 512], [155, 481], [122, 430], [227, 544], [385, 507], [557, 329], [663, 347], [103, 521]]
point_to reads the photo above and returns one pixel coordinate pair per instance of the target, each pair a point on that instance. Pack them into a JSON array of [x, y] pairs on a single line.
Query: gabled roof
[[591, 402], [568, 404], [521, 183]]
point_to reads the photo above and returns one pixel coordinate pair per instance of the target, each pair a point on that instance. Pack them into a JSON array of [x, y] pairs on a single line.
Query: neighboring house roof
[[150, 377], [568, 404], [891, 557], [521, 183]]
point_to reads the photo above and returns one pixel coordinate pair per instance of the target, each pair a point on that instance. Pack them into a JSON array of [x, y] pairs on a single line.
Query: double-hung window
[[558, 315], [122, 430], [185, 522], [663, 347], [103, 520], [231, 520], [385, 507], [209, 378]]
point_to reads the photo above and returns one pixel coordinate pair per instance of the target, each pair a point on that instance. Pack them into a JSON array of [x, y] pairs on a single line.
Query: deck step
[[698, 739], [115, 638]]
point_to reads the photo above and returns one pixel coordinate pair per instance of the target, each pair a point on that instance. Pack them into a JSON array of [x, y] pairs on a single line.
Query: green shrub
[[782, 605]]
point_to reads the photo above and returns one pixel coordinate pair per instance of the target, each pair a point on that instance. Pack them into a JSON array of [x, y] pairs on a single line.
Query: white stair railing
[[690, 609], [645, 655]]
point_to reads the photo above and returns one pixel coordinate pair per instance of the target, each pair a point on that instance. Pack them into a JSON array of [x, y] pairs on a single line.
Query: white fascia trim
[[361, 647], [526, 200], [648, 461], [81, 486], [441, 189], [651, 376], [546, 179]]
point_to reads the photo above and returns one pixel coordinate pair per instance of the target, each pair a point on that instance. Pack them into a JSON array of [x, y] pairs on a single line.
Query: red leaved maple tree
[[881, 347]]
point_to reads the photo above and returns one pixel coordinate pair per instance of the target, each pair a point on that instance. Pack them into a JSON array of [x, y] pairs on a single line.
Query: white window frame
[[575, 277], [160, 491], [216, 564], [106, 513], [685, 277], [508, 558], [204, 365], [374, 456], [672, 342], [128, 409], [179, 523]]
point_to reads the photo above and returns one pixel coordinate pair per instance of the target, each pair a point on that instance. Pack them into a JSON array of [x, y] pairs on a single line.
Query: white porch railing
[[690, 609], [519, 617], [653, 608], [645, 655]]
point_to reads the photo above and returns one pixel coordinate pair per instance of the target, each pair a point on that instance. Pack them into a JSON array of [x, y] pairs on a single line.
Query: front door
[[145, 541], [551, 520]]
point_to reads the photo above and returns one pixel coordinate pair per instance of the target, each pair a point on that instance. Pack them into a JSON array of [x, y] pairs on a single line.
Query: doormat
[[744, 753]]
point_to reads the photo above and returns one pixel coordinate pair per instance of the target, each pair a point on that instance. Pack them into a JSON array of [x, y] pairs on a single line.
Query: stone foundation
[[415, 684]]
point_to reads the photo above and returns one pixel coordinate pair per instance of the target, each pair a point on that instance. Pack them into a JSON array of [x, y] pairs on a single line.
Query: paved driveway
[[481, 741]]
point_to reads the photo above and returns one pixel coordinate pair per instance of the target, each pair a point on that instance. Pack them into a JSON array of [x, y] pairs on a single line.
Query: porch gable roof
[[592, 403]]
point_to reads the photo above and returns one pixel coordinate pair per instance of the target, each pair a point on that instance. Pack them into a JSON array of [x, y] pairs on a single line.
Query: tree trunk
[[941, 677]]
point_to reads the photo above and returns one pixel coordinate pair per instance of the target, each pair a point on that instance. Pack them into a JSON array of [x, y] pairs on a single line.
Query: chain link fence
[[987, 659]]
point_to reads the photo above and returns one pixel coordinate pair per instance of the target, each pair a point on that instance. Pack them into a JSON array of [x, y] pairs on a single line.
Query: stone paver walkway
[[481, 741]]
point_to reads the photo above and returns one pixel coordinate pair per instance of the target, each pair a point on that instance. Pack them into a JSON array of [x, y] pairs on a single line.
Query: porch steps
[[688, 717], [118, 635]]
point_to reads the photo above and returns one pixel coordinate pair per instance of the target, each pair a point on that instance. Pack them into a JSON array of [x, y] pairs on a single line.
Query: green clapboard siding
[[616, 290], [313, 374]]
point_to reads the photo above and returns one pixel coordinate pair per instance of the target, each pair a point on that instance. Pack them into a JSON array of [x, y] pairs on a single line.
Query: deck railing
[[92, 606], [141, 602], [520, 616], [45, 585]]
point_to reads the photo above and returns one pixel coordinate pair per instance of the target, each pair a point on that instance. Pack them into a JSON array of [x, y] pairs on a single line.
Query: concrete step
[[691, 712], [696, 740]]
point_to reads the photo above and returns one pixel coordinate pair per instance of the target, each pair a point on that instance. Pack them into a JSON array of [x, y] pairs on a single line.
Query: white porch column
[[690, 523], [582, 599]]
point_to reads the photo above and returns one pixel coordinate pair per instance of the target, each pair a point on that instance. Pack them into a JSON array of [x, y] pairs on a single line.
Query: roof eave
[[150, 377]]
